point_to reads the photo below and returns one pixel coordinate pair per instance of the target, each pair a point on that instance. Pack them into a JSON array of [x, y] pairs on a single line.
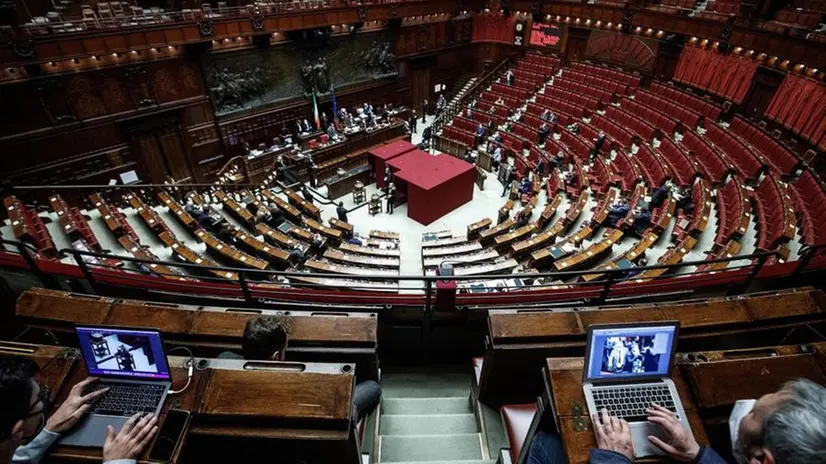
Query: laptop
[[132, 363], [627, 368]]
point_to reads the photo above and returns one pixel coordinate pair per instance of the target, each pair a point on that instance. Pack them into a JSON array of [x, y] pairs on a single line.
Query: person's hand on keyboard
[[681, 445], [76, 406], [131, 439], [613, 434]]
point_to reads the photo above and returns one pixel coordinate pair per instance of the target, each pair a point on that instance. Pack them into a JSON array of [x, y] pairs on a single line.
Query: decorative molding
[[24, 49], [257, 22], [206, 28]]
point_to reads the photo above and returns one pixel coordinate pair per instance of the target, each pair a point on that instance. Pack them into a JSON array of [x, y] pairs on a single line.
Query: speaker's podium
[[445, 289]]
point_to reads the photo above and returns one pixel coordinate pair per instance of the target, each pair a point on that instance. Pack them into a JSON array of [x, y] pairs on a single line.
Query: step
[[427, 424], [425, 385], [452, 405], [400, 448], [472, 461]]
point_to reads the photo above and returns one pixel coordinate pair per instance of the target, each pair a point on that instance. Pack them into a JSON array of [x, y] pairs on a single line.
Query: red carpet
[[436, 185]]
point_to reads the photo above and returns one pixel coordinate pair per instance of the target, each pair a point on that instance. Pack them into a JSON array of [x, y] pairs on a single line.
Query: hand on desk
[[681, 445], [132, 438], [74, 408], [613, 434]]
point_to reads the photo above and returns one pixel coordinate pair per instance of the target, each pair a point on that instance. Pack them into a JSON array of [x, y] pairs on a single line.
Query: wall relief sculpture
[[315, 76], [233, 89], [380, 60]]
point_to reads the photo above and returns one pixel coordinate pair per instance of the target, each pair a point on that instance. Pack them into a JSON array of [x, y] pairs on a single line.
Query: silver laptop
[[627, 368], [132, 363]]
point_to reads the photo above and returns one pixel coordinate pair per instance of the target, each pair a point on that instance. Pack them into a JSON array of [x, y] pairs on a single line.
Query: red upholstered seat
[[517, 419]]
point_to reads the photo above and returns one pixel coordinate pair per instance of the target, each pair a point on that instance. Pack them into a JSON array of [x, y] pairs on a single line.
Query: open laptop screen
[[622, 353], [120, 352]]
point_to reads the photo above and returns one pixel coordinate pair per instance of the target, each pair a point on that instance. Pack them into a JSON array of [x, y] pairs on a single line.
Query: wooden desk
[[361, 260], [330, 268], [296, 232], [561, 249], [225, 396], [152, 219], [272, 254], [464, 248], [575, 209], [478, 226], [602, 209], [503, 241], [594, 252], [330, 233], [188, 256], [135, 249], [383, 235], [443, 242], [632, 255], [564, 394], [481, 256], [491, 268], [183, 217], [344, 284], [60, 207], [540, 240], [487, 236], [289, 210], [672, 256], [229, 252], [345, 228], [305, 206], [112, 217], [504, 211], [18, 222], [314, 336], [370, 251], [666, 216], [274, 236], [239, 212], [549, 211]]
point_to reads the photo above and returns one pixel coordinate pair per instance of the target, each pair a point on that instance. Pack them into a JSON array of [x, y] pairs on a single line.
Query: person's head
[[265, 338], [643, 262], [341, 204], [24, 404], [785, 427]]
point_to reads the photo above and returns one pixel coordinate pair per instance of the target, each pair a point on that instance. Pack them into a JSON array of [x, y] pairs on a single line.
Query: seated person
[[525, 187], [636, 270], [573, 128], [26, 433], [266, 338], [305, 126], [276, 216], [331, 132], [545, 115], [617, 212], [642, 220], [659, 195], [204, 218], [523, 219], [356, 240], [785, 427], [297, 255], [570, 178], [225, 234]]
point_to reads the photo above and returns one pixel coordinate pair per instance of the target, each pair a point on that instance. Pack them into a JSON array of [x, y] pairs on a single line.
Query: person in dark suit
[[658, 196], [391, 198], [642, 219], [617, 212], [544, 131], [425, 108], [510, 175], [305, 192], [413, 122], [341, 211], [276, 217]]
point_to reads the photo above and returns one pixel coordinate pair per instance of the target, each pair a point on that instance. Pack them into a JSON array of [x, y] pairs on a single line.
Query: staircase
[[426, 418], [461, 88]]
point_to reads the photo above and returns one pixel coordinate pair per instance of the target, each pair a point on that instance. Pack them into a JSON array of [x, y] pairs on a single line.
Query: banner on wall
[[626, 50], [519, 33], [546, 35]]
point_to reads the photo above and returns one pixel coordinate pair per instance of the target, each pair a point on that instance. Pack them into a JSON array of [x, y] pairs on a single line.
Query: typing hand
[[132, 438], [613, 434], [681, 445], [74, 408]]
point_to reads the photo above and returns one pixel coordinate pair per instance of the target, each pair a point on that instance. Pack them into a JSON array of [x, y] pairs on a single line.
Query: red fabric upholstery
[[746, 162], [711, 165], [517, 419], [723, 75], [775, 154]]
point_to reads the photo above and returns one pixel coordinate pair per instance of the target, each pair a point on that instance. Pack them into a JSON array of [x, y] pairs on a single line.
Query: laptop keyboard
[[126, 399], [630, 402]]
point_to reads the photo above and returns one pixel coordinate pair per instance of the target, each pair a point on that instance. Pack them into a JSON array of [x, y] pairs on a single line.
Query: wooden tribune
[[232, 401], [518, 342], [314, 336]]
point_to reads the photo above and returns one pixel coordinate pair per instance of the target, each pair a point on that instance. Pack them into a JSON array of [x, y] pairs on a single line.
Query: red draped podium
[[381, 155], [436, 185]]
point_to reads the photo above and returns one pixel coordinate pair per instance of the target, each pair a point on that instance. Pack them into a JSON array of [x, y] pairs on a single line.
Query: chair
[[117, 9], [207, 9], [88, 17]]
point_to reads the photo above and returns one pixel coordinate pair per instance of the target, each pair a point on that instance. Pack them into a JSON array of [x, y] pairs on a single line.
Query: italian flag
[[315, 113]]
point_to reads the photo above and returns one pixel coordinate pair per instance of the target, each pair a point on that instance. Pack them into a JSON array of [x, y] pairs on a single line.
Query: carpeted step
[[419, 385], [428, 424], [401, 448], [451, 405]]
